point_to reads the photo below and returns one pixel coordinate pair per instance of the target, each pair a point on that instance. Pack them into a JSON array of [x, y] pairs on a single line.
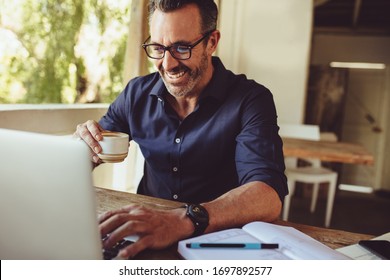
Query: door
[[364, 122]]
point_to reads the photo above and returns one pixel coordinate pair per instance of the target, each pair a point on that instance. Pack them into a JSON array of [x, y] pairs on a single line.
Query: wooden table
[[110, 200], [327, 151]]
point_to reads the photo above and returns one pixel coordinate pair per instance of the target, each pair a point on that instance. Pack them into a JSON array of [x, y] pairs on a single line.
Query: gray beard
[[195, 77]]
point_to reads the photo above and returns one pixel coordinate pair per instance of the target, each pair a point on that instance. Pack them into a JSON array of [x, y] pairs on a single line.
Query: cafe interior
[[327, 65]]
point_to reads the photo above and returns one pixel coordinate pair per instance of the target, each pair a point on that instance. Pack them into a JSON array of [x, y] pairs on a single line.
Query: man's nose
[[169, 62]]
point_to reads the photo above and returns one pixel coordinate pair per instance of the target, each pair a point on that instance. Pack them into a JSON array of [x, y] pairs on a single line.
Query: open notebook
[[47, 202], [292, 243]]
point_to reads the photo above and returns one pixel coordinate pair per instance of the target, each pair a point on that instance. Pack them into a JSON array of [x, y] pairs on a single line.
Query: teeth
[[176, 75]]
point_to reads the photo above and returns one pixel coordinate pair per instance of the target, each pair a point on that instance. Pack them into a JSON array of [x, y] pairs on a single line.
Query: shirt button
[[175, 169], [177, 140], [175, 196]]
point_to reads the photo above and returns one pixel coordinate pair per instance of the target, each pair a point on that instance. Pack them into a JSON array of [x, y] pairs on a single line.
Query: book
[[292, 244]]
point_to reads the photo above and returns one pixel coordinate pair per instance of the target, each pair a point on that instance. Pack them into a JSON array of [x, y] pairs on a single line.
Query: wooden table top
[[111, 199], [341, 152]]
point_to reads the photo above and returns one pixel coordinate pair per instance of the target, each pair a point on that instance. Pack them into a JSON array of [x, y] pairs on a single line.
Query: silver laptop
[[47, 202]]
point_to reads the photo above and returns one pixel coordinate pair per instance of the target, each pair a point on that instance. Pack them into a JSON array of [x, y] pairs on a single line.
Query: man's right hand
[[90, 132]]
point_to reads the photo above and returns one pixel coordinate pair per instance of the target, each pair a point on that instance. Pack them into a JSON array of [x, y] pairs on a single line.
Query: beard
[[188, 87]]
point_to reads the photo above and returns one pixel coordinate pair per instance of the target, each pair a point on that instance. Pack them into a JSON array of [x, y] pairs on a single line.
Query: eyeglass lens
[[182, 52], [177, 51]]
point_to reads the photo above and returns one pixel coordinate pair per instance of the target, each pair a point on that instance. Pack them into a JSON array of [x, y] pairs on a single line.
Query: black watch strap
[[199, 217]]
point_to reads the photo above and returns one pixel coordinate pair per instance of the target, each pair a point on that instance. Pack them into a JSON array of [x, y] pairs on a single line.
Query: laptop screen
[[47, 201]]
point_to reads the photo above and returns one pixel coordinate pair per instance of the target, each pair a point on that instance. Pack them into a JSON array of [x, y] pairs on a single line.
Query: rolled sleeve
[[259, 155]]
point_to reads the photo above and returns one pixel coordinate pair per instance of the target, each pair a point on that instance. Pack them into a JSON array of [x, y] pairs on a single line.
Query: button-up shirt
[[231, 138]]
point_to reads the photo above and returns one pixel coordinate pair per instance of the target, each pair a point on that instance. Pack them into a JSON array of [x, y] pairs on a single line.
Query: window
[[62, 51]]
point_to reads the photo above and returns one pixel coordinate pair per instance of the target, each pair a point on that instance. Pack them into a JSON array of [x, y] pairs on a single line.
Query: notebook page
[[227, 236], [292, 242]]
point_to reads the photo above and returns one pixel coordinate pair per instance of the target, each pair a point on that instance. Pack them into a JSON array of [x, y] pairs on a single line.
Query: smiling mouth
[[175, 75]]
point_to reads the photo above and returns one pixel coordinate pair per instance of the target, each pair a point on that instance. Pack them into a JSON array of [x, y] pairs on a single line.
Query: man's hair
[[208, 10]]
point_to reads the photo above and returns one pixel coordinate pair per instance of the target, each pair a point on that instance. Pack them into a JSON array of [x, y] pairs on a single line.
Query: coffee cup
[[115, 146]]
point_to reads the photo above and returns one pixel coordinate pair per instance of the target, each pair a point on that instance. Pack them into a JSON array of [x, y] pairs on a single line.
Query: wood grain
[[327, 151]]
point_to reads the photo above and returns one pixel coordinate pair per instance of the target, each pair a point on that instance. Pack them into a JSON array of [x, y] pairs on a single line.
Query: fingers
[[130, 220], [130, 228], [124, 226], [113, 223], [156, 228], [133, 249], [90, 133], [108, 214], [114, 220], [95, 130]]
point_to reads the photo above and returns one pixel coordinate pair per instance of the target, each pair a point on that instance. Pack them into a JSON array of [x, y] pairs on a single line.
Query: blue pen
[[197, 245]]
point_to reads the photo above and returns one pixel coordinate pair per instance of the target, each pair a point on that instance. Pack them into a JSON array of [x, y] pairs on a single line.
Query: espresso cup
[[115, 146]]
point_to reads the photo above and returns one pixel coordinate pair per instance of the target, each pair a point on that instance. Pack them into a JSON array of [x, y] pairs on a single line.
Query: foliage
[[62, 51]]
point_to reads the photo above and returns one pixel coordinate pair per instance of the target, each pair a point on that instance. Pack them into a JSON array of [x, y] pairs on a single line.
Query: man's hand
[[90, 133], [157, 229]]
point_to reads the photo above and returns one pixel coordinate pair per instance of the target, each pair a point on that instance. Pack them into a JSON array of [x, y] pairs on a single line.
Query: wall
[[333, 47], [50, 118], [269, 41], [375, 49]]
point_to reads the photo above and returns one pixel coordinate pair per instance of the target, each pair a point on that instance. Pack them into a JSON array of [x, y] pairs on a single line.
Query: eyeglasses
[[178, 51]]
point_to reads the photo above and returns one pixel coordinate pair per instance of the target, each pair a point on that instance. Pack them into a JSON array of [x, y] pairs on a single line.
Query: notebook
[[47, 202], [290, 244]]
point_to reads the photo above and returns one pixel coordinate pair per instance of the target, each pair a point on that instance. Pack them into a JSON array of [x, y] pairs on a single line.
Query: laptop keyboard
[[109, 254]]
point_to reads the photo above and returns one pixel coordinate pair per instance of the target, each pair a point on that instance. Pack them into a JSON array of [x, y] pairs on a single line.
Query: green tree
[[57, 39]]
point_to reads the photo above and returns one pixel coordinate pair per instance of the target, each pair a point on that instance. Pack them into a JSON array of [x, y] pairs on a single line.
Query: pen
[[196, 245]]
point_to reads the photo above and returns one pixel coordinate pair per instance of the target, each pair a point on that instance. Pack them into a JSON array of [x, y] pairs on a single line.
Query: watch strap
[[199, 217]]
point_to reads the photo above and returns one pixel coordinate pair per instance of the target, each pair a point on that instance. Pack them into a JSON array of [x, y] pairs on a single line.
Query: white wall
[[269, 41]]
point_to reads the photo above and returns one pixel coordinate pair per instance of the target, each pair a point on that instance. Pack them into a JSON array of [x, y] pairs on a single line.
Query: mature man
[[209, 137]]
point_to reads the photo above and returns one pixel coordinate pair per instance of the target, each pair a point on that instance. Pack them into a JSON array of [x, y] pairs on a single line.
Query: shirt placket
[[175, 167]]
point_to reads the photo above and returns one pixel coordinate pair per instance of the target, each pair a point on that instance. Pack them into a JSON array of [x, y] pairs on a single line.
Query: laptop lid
[[47, 202]]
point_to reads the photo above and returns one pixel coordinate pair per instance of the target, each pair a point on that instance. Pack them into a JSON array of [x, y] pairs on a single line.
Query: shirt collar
[[219, 82], [159, 88]]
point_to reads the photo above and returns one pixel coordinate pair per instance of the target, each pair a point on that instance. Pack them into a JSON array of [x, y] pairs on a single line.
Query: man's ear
[[213, 41]]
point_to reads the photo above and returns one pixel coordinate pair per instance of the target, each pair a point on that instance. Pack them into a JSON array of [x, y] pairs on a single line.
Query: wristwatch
[[199, 217]]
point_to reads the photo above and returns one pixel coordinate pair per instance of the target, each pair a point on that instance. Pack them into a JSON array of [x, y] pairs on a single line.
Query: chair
[[313, 174]]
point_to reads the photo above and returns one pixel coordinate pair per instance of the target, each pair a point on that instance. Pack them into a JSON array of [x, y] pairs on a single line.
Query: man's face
[[181, 77]]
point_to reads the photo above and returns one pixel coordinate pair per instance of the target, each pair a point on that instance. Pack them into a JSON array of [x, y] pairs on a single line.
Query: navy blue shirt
[[231, 138]]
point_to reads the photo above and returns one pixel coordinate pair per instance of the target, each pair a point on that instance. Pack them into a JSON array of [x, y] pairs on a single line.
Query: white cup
[[115, 146]]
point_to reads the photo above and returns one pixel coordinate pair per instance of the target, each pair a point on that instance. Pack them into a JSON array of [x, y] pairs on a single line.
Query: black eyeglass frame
[[169, 48]]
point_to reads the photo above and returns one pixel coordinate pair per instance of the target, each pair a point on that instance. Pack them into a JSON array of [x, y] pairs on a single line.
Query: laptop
[[47, 200]]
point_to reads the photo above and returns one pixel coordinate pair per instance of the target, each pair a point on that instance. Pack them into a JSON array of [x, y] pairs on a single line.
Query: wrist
[[184, 224], [199, 218]]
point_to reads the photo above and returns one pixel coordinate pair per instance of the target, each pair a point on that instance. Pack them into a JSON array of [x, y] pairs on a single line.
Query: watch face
[[199, 212], [199, 216]]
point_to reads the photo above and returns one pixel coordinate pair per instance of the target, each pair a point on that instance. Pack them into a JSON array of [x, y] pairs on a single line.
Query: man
[[208, 136]]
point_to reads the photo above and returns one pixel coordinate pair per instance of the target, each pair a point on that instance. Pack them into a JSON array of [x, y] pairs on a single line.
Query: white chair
[[313, 174]]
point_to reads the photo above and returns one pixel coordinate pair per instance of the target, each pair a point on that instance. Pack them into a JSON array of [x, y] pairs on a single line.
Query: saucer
[[112, 158]]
